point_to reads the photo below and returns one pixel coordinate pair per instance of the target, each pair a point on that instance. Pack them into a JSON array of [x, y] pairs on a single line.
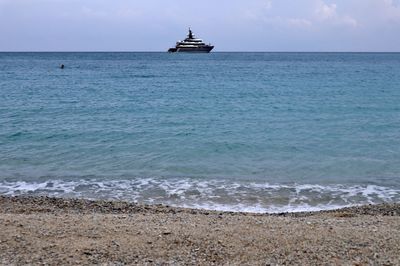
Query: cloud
[[300, 23], [304, 14], [392, 10], [289, 23], [268, 4], [93, 13], [328, 13]]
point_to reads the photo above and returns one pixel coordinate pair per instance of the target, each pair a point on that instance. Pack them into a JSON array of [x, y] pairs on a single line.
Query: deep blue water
[[232, 131]]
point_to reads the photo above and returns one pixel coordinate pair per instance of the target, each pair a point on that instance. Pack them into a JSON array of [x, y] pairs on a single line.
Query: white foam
[[224, 195]]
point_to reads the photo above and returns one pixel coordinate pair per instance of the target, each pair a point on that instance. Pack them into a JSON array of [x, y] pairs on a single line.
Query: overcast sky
[[231, 25]]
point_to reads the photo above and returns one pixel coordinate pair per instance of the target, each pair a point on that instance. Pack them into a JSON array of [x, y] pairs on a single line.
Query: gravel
[[43, 230]]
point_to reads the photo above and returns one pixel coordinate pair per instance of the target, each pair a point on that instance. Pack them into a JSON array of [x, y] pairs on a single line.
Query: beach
[[44, 230]]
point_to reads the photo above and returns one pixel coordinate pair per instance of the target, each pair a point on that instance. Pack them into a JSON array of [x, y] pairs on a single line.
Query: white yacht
[[191, 45]]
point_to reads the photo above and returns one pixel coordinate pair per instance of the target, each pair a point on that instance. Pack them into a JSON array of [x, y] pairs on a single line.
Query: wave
[[223, 195]]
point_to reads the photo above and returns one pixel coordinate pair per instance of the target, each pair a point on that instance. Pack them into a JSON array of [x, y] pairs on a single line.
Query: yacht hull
[[204, 49]]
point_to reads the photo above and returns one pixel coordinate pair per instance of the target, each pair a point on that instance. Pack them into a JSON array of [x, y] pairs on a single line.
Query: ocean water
[[259, 132]]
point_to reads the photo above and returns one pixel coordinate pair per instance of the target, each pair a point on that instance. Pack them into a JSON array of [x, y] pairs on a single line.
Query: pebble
[[78, 232]]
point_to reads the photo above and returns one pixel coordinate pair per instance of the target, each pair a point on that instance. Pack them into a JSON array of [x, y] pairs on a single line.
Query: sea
[[251, 132]]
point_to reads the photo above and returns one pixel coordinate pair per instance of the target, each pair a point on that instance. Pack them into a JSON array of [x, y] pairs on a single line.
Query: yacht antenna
[[190, 34]]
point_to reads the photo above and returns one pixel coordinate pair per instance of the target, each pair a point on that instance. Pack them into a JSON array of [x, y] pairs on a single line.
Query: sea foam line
[[211, 194]]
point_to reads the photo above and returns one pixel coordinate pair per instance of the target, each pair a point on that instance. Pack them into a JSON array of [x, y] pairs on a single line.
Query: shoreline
[[48, 230], [27, 203]]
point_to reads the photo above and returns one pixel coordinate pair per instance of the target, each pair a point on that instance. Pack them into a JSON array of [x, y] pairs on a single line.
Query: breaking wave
[[221, 195]]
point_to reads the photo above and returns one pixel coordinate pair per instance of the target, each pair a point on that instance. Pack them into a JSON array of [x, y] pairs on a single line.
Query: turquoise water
[[230, 131]]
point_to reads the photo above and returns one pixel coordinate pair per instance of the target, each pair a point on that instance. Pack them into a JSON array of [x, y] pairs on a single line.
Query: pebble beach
[[55, 231]]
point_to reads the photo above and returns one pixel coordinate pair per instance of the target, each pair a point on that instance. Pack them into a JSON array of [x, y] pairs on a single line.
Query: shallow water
[[229, 131]]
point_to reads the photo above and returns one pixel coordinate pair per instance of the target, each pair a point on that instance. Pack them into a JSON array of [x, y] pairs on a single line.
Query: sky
[[230, 25]]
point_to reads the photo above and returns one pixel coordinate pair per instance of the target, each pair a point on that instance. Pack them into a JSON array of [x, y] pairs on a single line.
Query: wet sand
[[42, 230]]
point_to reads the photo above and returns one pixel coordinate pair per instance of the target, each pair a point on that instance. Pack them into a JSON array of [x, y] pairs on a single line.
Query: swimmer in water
[[62, 66]]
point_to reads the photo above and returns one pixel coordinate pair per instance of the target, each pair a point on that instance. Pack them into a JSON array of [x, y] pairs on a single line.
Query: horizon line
[[122, 51]]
